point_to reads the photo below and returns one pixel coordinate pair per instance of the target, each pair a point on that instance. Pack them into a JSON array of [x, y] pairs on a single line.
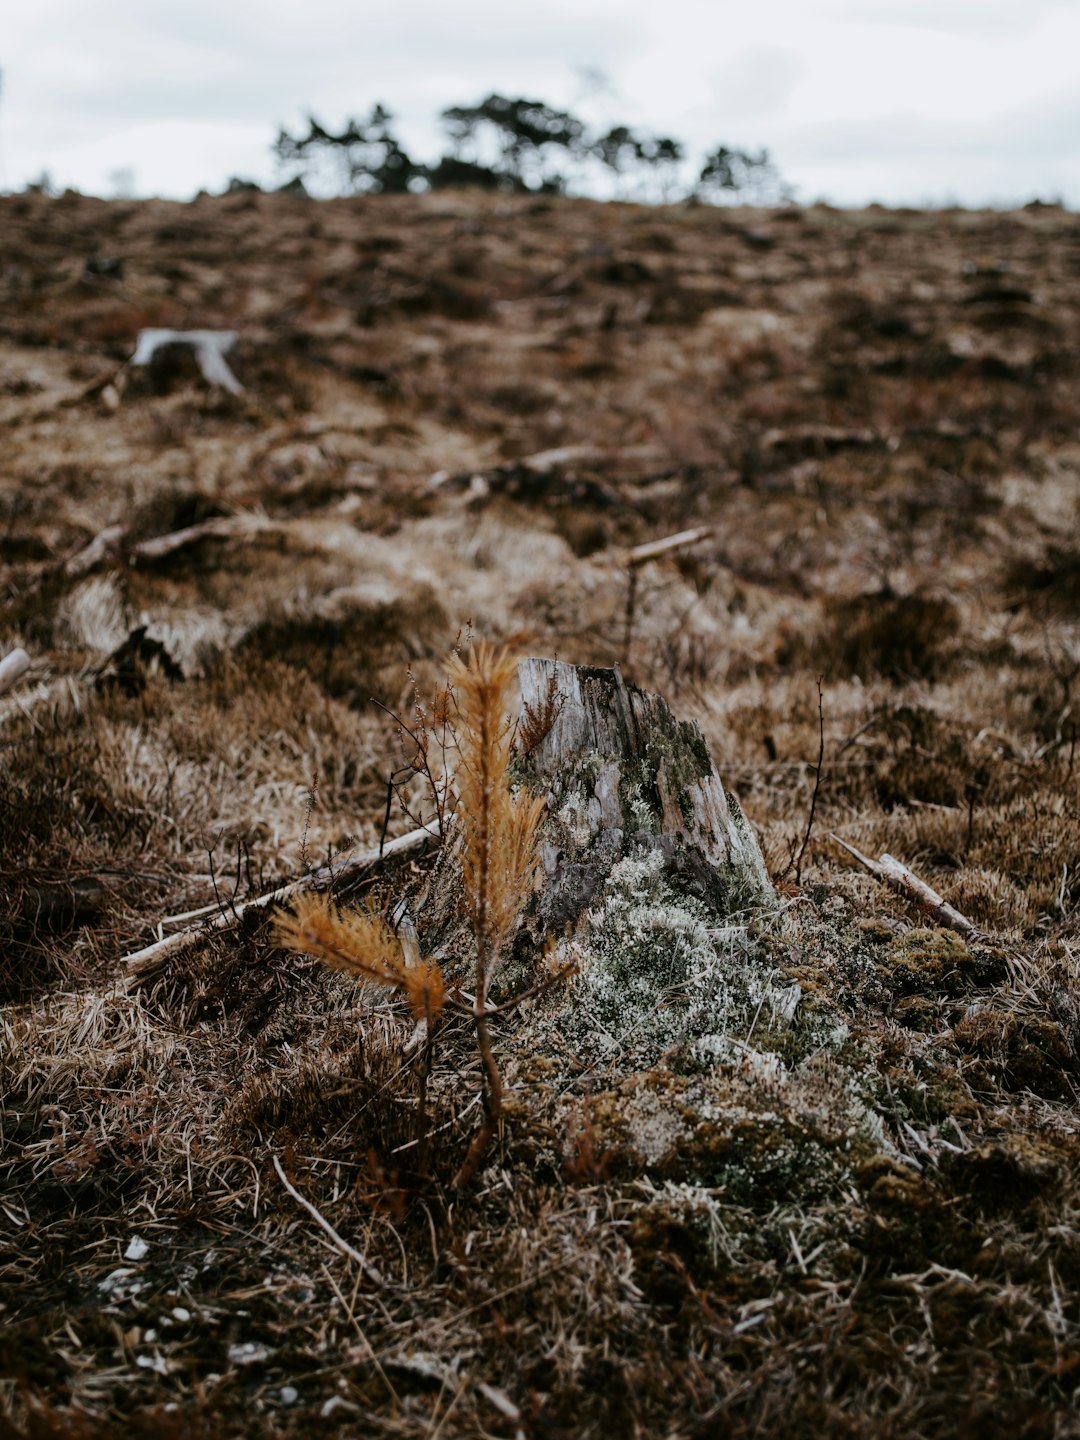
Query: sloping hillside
[[461, 415]]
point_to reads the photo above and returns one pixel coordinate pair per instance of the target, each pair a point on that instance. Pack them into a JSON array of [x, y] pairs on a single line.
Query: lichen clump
[[659, 978], [722, 1074]]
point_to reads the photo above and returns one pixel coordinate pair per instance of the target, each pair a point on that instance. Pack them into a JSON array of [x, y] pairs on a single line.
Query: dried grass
[[924, 1286]]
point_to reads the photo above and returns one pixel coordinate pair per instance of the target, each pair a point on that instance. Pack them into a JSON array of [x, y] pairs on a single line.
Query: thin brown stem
[[817, 783], [555, 978], [493, 1089], [493, 1085], [423, 1074]]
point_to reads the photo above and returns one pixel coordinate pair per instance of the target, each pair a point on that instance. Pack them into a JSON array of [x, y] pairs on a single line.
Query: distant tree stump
[[161, 355]]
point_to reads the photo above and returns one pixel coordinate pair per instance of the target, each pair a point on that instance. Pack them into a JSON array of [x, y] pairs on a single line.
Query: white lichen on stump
[[625, 778], [697, 1059]]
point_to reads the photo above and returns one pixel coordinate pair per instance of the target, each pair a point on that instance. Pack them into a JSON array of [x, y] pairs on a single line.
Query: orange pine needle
[[362, 943], [499, 854]]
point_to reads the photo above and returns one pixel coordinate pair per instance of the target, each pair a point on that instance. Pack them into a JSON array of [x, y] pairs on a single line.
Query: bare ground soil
[[875, 414]]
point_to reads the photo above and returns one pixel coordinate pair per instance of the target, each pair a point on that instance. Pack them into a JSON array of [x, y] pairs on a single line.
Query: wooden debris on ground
[[12, 668], [219, 527], [895, 873], [151, 957], [209, 347], [104, 546], [655, 549]]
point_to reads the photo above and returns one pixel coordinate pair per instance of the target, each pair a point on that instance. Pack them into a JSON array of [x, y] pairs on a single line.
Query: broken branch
[[897, 876], [12, 668], [221, 527], [103, 547], [152, 955], [653, 549]]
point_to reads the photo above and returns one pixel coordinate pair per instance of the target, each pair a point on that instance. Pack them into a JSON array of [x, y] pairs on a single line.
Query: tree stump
[[662, 1038], [626, 782], [158, 353], [625, 777]]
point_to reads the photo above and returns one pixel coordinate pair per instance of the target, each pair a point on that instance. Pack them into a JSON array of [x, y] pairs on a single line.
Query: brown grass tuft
[[897, 637], [919, 442]]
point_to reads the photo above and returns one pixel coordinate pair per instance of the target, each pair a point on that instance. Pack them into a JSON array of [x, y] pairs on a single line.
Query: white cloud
[[980, 18], [914, 158], [758, 81], [855, 99]]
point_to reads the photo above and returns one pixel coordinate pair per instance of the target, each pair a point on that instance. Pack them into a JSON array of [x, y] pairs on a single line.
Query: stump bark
[[625, 782], [625, 777]]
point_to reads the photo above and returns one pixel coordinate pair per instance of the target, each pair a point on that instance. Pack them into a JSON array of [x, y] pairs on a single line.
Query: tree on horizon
[[522, 146]]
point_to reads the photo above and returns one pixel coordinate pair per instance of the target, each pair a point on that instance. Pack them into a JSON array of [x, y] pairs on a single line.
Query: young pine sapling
[[496, 838]]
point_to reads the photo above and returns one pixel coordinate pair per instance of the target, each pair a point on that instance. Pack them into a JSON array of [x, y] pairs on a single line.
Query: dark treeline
[[523, 146]]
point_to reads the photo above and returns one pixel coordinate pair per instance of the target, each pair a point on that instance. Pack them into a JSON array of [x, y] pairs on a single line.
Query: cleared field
[[461, 414]]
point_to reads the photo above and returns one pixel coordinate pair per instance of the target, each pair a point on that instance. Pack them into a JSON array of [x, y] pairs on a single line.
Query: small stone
[[115, 1279], [157, 1363], [248, 1352], [137, 1248], [289, 1394]]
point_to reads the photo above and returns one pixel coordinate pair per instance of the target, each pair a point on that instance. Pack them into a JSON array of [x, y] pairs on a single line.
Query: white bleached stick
[[897, 875], [12, 668], [160, 950]]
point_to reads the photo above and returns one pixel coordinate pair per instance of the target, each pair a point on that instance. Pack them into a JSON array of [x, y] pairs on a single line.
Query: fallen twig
[[103, 547], [160, 950], [220, 527], [895, 874], [374, 1275], [12, 668], [653, 549]]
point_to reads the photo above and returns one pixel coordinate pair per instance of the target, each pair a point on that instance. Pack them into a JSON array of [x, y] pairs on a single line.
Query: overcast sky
[[902, 101]]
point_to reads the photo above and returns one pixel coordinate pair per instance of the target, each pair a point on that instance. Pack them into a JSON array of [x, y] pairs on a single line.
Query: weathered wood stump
[[678, 1047], [157, 352], [626, 782], [625, 777], [651, 882]]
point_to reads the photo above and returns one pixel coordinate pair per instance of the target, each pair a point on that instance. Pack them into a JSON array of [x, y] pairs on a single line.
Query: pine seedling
[[499, 847], [496, 836]]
